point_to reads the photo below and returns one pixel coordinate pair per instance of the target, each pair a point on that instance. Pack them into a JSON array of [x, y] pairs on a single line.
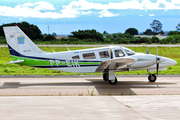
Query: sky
[[113, 16]]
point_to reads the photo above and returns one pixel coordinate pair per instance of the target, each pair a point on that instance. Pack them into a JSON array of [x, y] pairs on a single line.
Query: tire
[[113, 82], [152, 78], [105, 76]]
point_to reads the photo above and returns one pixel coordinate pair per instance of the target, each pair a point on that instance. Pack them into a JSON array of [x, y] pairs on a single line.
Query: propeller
[[157, 59]]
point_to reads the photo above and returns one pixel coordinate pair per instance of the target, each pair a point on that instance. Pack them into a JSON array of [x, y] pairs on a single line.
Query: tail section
[[19, 43]]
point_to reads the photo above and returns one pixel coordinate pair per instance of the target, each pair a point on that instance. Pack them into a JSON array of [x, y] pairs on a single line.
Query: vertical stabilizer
[[19, 43]]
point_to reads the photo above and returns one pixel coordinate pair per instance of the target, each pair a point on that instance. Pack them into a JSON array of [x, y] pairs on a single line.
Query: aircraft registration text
[[69, 63]]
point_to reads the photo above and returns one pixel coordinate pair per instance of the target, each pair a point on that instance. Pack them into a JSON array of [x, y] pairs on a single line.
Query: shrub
[[155, 39]]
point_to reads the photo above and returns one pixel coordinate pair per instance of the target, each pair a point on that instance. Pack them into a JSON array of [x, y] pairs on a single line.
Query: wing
[[116, 64]]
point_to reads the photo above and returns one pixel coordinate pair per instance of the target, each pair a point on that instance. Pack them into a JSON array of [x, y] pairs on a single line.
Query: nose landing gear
[[152, 78]]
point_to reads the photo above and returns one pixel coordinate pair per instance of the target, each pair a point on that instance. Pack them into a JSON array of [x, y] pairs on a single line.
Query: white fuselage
[[78, 61]]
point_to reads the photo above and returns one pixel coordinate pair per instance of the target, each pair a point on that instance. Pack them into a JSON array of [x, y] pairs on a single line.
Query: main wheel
[[152, 78], [113, 82], [105, 76]]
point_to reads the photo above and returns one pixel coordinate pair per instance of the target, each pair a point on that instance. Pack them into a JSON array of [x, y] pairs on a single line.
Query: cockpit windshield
[[128, 51]]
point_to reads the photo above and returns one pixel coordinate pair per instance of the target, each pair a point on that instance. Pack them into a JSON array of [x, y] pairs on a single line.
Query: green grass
[[14, 69]]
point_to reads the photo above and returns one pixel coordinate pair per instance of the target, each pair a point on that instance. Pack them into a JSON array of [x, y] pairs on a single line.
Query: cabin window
[[75, 57], [118, 53], [104, 54], [89, 56]]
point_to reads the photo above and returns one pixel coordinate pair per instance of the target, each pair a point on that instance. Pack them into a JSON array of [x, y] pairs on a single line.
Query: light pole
[[48, 29]]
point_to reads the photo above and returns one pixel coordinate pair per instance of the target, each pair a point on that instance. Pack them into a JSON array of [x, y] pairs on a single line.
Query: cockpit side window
[[119, 53], [129, 52]]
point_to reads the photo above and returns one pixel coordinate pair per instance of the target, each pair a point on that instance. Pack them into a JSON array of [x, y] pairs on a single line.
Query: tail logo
[[21, 39]]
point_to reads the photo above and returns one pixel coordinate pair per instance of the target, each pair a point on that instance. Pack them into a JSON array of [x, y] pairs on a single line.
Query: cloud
[[151, 15], [86, 13], [133, 4], [27, 4], [176, 2], [43, 6], [106, 13], [82, 7], [37, 10]]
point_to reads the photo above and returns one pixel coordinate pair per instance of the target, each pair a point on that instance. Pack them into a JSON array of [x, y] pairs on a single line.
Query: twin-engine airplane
[[105, 59]]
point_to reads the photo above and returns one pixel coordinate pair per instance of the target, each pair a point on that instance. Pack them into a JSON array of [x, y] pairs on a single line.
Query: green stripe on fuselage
[[38, 62], [142, 59]]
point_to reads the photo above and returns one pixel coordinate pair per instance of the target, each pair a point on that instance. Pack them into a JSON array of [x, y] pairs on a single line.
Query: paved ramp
[[90, 107]]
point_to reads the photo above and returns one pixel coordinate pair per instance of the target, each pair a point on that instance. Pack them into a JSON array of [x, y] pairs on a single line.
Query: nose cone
[[173, 62], [169, 62]]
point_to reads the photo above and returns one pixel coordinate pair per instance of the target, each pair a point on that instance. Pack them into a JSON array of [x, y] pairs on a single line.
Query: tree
[[155, 39], [178, 27], [115, 36], [105, 32], [48, 37], [32, 31], [156, 26], [87, 34], [54, 34], [148, 32], [173, 33], [132, 31]]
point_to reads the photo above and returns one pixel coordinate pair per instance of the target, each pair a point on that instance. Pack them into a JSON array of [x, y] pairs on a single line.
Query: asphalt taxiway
[[88, 86]]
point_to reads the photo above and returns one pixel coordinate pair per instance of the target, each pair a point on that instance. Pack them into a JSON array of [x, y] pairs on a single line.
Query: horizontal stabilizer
[[17, 61]]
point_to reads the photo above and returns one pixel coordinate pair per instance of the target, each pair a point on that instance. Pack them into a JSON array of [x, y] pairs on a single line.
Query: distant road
[[125, 45]]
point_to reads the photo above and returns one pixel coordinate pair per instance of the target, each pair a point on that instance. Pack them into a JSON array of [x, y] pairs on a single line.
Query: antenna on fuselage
[[52, 50], [68, 49], [147, 51]]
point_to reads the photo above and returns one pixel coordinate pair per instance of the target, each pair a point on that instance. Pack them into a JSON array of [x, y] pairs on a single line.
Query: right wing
[[116, 64]]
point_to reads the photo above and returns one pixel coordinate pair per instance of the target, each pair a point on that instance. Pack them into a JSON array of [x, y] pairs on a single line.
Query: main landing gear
[[152, 78], [106, 78]]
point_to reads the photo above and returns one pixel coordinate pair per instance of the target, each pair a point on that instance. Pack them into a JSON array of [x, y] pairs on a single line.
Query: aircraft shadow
[[101, 87], [125, 87]]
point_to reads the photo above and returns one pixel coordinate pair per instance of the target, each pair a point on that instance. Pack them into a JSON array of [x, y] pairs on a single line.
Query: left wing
[[116, 64]]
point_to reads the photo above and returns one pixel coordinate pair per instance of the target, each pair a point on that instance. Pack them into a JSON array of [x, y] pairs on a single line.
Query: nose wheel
[[152, 78]]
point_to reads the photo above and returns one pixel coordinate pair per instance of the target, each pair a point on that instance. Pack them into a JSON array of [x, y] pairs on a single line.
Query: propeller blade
[[157, 67], [147, 51], [157, 51]]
